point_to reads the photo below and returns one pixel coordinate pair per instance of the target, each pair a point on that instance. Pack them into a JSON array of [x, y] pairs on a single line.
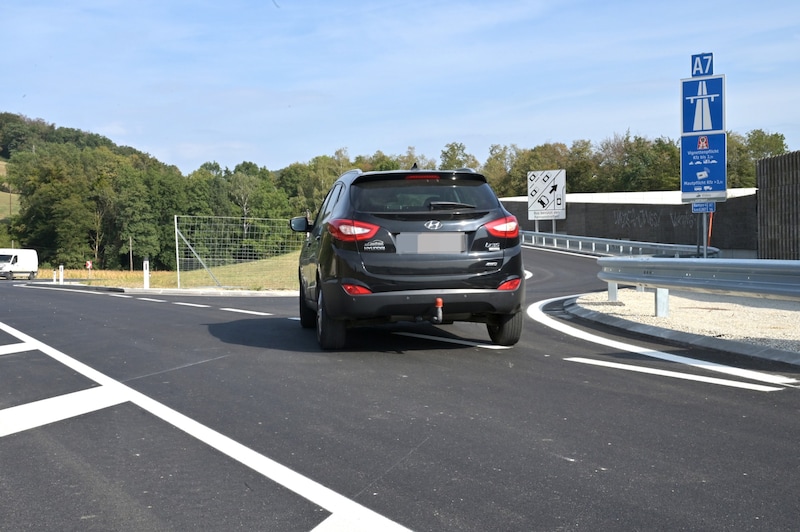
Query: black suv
[[412, 245]]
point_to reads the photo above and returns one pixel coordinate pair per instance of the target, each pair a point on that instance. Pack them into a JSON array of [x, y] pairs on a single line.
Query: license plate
[[431, 243]]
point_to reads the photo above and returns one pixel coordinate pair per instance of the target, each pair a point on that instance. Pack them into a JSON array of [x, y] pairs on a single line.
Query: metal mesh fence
[[240, 253]]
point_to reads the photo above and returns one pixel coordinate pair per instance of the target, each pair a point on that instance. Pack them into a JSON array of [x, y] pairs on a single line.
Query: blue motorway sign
[[704, 174], [703, 65], [702, 104]]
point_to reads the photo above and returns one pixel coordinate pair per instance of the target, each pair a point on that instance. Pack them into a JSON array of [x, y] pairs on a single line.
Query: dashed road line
[[242, 311], [676, 375], [452, 340]]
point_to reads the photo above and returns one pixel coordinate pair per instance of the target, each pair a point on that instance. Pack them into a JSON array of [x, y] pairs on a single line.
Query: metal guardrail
[[609, 247], [760, 278]]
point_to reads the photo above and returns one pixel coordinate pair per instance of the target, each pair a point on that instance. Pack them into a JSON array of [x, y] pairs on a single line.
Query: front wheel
[[331, 334], [308, 317], [505, 329]]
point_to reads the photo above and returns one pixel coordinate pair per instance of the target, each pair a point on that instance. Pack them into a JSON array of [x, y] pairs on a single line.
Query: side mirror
[[300, 224]]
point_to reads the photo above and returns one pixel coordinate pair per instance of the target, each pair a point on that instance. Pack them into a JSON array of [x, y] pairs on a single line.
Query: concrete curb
[[215, 292], [730, 346]]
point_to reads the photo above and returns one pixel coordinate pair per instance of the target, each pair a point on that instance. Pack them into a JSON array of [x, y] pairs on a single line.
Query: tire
[[505, 329], [331, 334], [308, 318]]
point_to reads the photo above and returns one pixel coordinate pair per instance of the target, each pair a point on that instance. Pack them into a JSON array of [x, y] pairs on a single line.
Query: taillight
[[351, 230], [356, 290], [507, 227], [511, 284]]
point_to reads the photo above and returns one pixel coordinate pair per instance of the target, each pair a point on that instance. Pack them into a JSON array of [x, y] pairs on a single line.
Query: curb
[[731, 346]]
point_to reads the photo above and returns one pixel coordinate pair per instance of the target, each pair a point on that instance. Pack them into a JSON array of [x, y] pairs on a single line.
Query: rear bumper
[[458, 304]]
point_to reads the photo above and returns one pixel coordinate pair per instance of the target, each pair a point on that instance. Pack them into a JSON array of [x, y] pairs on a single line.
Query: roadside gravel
[[767, 323]]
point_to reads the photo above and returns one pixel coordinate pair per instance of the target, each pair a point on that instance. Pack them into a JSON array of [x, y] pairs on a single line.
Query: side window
[[327, 206]]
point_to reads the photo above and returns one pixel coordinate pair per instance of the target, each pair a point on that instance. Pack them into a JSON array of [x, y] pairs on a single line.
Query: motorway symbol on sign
[[547, 195], [703, 104]]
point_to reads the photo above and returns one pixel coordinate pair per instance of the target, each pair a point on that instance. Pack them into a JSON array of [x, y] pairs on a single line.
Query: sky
[[274, 82]]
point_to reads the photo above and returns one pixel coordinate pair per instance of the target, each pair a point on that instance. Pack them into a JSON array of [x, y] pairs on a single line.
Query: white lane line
[[31, 415], [241, 311], [452, 340], [676, 375], [196, 305], [356, 517], [10, 349], [152, 300], [537, 314]]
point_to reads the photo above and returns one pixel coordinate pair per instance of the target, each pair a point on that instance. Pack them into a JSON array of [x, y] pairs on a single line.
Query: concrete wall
[[664, 219]]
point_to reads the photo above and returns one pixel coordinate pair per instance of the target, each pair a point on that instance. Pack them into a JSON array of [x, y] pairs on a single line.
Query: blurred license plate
[[431, 243]]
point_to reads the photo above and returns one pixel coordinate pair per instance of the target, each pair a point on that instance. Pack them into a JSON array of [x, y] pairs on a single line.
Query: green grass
[[277, 273], [9, 204]]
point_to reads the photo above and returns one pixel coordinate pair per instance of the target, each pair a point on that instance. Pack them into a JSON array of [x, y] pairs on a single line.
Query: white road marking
[[346, 514], [453, 340], [537, 314], [196, 305], [241, 311], [14, 348], [152, 300], [676, 375], [32, 415]]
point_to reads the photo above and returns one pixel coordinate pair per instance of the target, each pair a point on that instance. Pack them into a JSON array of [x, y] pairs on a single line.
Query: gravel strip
[[764, 322]]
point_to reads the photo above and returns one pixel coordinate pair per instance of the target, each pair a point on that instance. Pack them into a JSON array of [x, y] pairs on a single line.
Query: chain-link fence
[[242, 253]]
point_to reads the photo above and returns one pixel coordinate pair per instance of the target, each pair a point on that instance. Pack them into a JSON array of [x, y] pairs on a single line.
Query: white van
[[18, 262]]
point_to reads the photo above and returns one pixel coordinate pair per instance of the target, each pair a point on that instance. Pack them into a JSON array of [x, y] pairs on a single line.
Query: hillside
[[9, 203]]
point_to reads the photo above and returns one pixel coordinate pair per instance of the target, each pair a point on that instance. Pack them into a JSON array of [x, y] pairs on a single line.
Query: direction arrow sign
[[547, 195]]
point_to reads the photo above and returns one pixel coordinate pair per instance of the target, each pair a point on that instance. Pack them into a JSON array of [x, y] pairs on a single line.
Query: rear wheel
[[505, 329], [331, 334]]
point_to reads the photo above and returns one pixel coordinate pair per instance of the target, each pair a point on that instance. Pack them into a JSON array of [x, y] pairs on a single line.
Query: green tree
[[497, 167], [454, 155]]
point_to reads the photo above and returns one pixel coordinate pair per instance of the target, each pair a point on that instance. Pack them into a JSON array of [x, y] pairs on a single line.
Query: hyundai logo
[[433, 225]]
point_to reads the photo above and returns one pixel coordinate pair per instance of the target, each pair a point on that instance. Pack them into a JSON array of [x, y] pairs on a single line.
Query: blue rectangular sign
[[702, 104], [706, 206], [703, 65], [704, 174]]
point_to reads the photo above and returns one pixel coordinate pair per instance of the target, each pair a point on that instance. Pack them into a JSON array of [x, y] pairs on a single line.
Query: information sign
[[547, 195]]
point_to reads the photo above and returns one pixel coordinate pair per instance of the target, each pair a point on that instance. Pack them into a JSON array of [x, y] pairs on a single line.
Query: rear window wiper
[[447, 205]]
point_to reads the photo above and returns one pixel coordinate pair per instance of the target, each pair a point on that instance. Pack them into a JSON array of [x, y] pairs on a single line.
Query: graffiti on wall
[[645, 218]]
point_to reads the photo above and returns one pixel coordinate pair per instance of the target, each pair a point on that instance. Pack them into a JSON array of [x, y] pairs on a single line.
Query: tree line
[[82, 197]]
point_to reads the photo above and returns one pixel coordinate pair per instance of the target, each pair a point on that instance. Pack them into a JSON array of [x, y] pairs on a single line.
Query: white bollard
[[612, 292], [662, 302], [146, 268], [60, 274]]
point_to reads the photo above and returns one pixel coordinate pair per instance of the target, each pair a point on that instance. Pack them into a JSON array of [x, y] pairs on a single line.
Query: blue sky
[[280, 81]]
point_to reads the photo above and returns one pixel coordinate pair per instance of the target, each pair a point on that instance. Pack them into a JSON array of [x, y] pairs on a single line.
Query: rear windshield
[[412, 195]]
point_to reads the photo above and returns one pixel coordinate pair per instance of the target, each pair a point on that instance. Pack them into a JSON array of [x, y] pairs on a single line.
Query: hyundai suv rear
[[413, 245]]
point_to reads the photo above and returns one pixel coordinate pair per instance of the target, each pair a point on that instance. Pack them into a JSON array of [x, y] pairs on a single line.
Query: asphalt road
[[144, 412]]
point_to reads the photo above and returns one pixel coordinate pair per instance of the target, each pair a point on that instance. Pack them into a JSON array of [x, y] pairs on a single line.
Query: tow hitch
[[437, 317]]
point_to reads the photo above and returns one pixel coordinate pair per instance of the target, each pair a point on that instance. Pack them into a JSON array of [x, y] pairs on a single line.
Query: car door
[[309, 257]]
